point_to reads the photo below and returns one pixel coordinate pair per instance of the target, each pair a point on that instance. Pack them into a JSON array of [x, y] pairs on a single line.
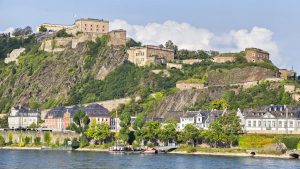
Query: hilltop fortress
[[82, 30]]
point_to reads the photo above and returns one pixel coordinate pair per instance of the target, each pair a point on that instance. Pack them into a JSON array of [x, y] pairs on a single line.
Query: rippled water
[[61, 159]]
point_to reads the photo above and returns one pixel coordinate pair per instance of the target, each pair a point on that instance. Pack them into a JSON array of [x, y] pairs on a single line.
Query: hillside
[[95, 72], [44, 80]]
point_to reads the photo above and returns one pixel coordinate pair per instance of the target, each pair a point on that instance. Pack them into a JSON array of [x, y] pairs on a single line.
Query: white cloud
[[190, 37], [8, 30]]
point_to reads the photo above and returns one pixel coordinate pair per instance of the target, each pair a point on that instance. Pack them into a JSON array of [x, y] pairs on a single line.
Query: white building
[[201, 118], [21, 117], [277, 119], [115, 124]]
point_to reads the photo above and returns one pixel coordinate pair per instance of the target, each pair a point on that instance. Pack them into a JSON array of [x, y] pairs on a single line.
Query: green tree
[[125, 124], [47, 138], [80, 122], [2, 141], [42, 29], [98, 132], [10, 138], [62, 33], [37, 141], [168, 131], [190, 133], [150, 131]]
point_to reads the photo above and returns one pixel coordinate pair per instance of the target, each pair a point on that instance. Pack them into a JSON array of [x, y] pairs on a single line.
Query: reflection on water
[[62, 159]]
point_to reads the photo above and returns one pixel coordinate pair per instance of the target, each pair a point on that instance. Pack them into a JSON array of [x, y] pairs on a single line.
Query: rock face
[[238, 75], [45, 76], [115, 58], [173, 105]]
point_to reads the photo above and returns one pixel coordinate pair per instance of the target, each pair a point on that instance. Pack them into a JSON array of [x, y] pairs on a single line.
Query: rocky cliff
[[41, 76]]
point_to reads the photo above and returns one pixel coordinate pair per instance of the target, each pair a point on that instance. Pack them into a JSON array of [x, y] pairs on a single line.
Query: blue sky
[[229, 25]]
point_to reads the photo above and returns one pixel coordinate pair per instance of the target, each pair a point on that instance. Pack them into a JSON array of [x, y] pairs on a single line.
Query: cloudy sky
[[227, 26]]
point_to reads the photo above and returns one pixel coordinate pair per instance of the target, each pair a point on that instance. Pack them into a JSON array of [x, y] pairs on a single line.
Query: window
[[259, 123], [254, 123], [285, 124], [249, 123], [291, 124], [280, 124], [273, 123], [264, 124]]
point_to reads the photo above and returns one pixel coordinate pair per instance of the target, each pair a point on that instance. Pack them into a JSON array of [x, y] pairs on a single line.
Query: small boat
[[151, 151]]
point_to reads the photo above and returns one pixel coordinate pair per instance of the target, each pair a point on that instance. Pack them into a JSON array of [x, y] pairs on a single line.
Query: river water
[[35, 159]]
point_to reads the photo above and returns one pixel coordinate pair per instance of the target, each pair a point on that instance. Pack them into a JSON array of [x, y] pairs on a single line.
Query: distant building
[[21, 117], [222, 58], [200, 119], [287, 74], [98, 113], [115, 124], [190, 84], [146, 55], [84, 29], [276, 119], [60, 118], [84, 25], [256, 55], [13, 56], [90, 25]]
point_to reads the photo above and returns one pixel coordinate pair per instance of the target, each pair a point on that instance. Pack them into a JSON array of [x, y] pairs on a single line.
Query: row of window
[[97, 26], [140, 54], [271, 123], [97, 30]]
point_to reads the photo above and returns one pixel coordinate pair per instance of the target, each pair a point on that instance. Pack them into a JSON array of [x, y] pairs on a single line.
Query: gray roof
[[210, 115], [24, 112], [93, 110], [278, 111]]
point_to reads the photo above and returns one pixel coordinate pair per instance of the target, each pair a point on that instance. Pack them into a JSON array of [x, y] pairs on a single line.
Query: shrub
[[254, 141], [149, 144], [2, 141], [298, 146], [191, 150], [84, 141], [75, 143], [27, 140], [291, 142], [37, 141], [47, 138], [57, 142], [10, 138], [66, 141]]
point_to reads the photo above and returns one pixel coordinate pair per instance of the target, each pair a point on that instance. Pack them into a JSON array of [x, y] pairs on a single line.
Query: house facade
[[146, 55], [21, 117], [276, 119], [60, 118], [200, 119]]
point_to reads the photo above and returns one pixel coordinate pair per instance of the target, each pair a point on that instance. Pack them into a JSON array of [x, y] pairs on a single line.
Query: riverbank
[[232, 154], [20, 148], [284, 156]]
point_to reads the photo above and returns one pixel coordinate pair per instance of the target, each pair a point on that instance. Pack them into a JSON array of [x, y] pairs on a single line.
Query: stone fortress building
[[83, 29], [149, 54], [256, 55]]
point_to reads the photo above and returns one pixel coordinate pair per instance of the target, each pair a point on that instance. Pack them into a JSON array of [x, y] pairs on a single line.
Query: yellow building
[[149, 54], [84, 25], [90, 25]]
